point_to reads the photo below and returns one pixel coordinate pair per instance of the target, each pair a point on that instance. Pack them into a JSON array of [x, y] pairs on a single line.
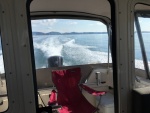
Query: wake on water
[[72, 53]]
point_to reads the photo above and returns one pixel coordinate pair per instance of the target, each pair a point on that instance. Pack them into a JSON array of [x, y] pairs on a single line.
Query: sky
[[67, 25], [74, 25], [144, 24]]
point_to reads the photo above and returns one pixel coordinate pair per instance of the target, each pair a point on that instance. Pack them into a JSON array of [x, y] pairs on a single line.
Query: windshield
[[77, 41]]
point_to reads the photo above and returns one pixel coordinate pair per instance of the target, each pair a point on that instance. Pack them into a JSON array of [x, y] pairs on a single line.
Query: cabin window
[[78, 42], [141, 43], [3, 87], [145, 29], [138, 54]]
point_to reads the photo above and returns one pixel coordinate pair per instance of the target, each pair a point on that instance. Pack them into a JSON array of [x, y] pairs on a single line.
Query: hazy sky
[[145, 24], [73, 25], [67, 25]]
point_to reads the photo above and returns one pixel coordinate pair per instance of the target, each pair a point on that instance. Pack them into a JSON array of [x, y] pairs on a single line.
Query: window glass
[[3, 87], [138, 54], [78, 42], [141, 44], [145, 28]]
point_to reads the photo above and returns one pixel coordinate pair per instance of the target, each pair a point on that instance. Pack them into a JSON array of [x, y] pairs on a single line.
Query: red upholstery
[[69, 94], [52, 99]]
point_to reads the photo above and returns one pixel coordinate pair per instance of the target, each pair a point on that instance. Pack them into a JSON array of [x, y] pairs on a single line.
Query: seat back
[[69, 94], [66, 82]]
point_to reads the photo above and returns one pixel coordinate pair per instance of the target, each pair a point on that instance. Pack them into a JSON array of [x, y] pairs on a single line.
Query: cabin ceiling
[[98, 7], [142, 7]]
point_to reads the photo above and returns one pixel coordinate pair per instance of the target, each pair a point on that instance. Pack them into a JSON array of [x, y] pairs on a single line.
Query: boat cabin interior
[[44, 42]]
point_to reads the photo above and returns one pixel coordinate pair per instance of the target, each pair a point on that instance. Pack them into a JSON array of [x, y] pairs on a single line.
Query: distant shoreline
[[143, 32], [74, 33], [69, 33]]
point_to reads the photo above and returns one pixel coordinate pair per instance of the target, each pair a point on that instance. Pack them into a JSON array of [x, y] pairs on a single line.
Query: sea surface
[[81, 49], [78, 49], [75, 49]]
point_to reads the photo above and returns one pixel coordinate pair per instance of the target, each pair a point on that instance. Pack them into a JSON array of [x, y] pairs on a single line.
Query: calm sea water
[[146, 40]]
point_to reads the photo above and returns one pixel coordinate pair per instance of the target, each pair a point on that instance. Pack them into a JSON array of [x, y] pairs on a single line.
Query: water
[[75, 49], [138, 54], [78, 49]]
